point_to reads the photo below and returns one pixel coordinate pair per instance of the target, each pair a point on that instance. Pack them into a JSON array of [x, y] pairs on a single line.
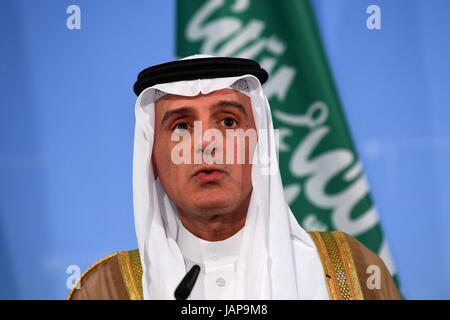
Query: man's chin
[[213, 206]]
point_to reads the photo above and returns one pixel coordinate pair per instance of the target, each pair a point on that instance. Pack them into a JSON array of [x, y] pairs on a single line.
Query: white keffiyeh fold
[[278, 259]]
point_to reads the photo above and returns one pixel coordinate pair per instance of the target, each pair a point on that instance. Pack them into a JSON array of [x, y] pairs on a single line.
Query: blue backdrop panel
[[67, 126]]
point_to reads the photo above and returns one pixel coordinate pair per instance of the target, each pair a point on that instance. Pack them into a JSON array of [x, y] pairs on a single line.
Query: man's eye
[[181, 127], [228, 122]]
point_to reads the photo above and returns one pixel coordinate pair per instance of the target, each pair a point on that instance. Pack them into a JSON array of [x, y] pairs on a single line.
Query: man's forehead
[[170, 101]]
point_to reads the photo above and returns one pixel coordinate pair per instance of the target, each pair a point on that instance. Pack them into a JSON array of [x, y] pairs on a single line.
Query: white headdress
[[278, 259]]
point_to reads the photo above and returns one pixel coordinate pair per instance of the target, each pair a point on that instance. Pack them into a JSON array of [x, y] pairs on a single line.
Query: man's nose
[[205, 133]]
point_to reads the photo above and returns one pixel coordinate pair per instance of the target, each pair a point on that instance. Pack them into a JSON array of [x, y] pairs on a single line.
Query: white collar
[[209, 253]]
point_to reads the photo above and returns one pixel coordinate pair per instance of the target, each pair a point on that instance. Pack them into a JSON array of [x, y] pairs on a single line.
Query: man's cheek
[[179, 173], [180, 152]]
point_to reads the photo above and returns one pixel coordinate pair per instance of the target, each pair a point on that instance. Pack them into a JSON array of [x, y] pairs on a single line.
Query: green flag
[[323, 178]]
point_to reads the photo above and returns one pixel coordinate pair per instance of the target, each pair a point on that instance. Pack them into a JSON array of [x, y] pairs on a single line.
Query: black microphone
[[186, 285]]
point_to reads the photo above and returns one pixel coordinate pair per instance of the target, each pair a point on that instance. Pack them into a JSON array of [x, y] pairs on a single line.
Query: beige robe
[[345, 264]]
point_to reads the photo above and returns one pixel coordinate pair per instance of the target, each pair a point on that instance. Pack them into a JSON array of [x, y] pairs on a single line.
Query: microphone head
[[186, 285]]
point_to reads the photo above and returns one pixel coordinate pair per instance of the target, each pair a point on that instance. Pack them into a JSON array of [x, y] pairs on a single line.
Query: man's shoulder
[[375, 277], [109, 278], [344, 252], [336, 242]]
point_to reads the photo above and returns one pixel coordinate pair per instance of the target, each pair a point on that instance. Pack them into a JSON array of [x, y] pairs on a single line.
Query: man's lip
[[209, 173], [207, 168], [210, 176]]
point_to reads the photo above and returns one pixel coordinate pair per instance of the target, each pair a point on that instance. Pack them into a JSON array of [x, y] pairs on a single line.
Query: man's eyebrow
[[235, 104], [170, 113], [188, 109]]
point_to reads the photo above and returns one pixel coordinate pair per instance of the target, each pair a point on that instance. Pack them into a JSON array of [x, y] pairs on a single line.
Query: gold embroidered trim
[[337, 261], [326, 264], [349, 265], [135, 263], [128, 276], [69, 297]]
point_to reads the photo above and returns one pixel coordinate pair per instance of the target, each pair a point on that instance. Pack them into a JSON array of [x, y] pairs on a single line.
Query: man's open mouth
[[209, 174]]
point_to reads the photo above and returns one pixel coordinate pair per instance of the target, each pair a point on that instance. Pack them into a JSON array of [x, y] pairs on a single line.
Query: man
[[207, 191]]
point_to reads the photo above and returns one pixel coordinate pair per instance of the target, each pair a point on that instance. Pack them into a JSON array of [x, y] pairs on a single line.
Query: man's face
[[196, 187]]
